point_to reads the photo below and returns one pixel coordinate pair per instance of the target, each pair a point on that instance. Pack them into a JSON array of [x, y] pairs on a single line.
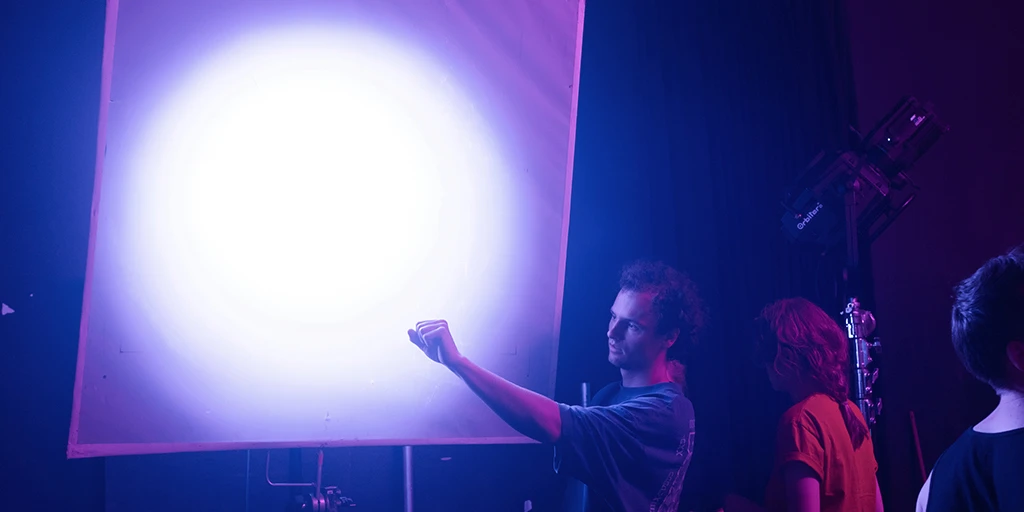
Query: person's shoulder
[[665, 406], [668, 395], [964, 448], [674, 392], [954, 453], [954, 464], [670, 390], [810, 411], [671, 394]]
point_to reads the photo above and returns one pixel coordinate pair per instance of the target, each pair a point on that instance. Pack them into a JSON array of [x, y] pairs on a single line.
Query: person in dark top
[[984, 468], [632, 447]]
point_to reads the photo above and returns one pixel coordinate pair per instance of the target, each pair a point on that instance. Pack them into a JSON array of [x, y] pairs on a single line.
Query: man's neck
[[656, 374], [1008, 415]]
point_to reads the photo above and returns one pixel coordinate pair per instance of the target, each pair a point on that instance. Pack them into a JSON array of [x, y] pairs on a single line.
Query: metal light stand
[[329, 499], [860, 323], [407, 477], [321, 499], [869, 184]]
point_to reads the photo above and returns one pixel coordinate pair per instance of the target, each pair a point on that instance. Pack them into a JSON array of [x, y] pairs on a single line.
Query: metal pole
[[319, 471], [407, 476], [859, 325], [585, 402]]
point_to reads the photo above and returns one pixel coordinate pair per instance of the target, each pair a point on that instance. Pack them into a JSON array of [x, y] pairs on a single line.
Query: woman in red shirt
[[824, 458]]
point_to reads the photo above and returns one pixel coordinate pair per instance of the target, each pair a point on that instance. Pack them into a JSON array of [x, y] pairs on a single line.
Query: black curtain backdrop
[[693, 117], [50, 55]]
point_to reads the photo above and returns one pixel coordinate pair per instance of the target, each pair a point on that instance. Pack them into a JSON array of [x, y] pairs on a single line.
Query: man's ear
[[1015, 354], [671, 338]]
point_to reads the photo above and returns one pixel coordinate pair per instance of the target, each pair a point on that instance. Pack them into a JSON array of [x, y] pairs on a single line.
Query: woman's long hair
[[800, 340]]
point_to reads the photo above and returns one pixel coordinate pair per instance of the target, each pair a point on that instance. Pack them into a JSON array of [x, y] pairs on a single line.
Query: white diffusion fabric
[[284, 188]]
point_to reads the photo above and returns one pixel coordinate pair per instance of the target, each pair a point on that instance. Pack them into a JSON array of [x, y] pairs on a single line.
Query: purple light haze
[[288, 186]]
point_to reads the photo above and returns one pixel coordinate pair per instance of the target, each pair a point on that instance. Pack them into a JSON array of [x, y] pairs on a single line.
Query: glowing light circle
[[302, 188]]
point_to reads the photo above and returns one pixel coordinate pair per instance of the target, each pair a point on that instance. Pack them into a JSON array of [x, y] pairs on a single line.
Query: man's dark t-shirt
[[631, 448], [980, 472]]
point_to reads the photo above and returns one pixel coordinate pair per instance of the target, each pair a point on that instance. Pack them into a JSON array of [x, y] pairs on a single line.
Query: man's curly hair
[[676, 301]]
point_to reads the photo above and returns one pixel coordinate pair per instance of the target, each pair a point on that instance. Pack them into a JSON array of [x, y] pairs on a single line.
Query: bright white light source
[[303, 197]]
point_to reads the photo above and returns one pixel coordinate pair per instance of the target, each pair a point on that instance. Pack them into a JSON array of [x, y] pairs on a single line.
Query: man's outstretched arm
[[531, 414]]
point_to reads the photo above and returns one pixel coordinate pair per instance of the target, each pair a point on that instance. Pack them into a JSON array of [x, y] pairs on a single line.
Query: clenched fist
[[435, 340]]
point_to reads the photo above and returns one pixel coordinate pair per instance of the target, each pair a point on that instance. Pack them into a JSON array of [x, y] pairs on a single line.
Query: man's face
[[633, 341]]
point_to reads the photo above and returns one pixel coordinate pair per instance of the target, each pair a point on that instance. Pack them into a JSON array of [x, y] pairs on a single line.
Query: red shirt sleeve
[[799, 440]]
